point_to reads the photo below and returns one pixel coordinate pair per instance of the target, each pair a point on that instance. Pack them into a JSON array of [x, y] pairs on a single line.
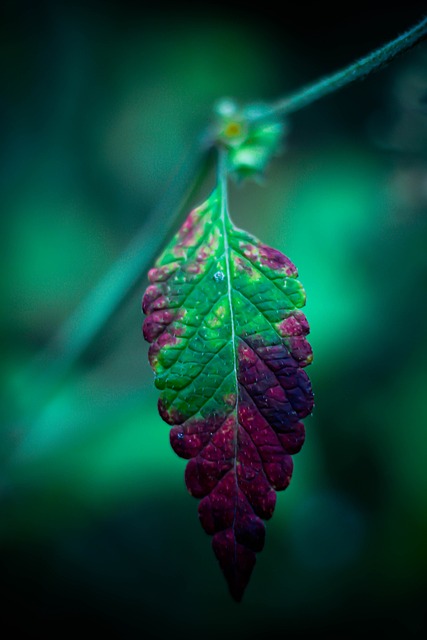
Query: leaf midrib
[[224, 219]]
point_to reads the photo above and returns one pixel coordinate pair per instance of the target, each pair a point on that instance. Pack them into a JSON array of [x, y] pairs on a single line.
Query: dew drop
[[180, 435], [219, 276]]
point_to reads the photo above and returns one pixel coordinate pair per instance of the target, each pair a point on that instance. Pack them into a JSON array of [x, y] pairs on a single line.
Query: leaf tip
[[236, 562]]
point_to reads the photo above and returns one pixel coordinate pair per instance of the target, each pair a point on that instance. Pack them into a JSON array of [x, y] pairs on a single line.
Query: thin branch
[[51, 366], [356, 71], [95, 311]]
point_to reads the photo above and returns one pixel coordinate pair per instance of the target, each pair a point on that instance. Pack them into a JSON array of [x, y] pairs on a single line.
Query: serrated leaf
[[228, 347]]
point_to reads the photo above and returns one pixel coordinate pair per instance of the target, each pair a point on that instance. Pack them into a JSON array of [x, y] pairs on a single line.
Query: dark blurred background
[[98, 103]]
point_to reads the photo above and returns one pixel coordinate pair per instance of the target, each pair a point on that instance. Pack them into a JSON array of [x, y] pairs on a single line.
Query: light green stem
[[356, 71], [47, 372], [120, 281]]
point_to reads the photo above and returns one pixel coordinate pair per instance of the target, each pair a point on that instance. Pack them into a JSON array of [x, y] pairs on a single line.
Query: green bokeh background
[[97, 530]]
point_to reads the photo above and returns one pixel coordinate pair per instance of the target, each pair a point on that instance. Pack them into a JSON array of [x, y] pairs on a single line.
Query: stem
[[51, 366], [356, 71], [119, 282]]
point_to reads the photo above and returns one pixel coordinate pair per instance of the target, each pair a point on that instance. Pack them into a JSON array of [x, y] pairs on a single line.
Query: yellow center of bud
[[233, 129]]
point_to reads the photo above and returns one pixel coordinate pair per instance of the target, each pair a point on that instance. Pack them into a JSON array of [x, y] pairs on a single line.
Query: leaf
[[228, 348]]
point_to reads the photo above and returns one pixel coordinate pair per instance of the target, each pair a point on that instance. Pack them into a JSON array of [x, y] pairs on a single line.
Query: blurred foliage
[[97, 530]]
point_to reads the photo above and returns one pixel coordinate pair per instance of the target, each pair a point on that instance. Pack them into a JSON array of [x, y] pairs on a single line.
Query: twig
[[356, 71], [47, 372]]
